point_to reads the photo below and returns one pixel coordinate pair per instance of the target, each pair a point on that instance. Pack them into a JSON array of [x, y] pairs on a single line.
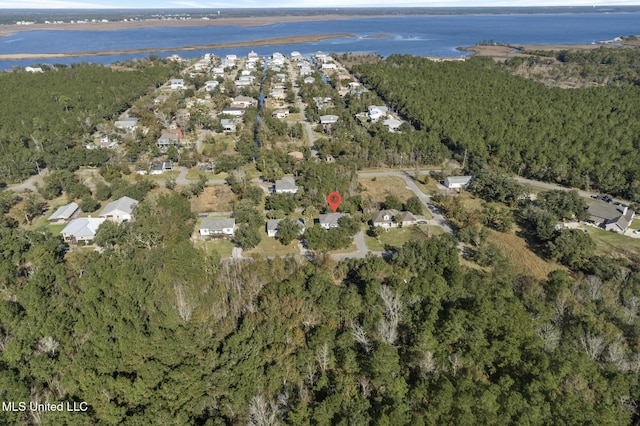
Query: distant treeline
[[580, 137], [11, 16], [45, 118]]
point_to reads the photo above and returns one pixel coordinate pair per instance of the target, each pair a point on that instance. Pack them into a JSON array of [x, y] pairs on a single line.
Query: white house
[[457, 182], [387, 218], [328, 119], [280, 113], [218, 227], [177, 84], [330, 220], [229, 125], [127, 123], [233, 111], [286, 185], [81, 229], [252, 57], [159, 168], [120, 210], [168, 139], [33, 69], [246, 101], [309, 80], [376, 112], [272, 227], [210, 85], [64, 213], [392, 124]]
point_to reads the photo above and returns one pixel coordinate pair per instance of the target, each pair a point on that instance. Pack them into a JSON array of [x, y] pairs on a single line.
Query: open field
[[396, 237], [427, 185], [521, 256], [217, 198], [194, 174], [378, 188], [270, 247], [222, 246]]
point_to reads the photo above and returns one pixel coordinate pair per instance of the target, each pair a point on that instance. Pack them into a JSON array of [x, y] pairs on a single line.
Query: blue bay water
[[416, 35]]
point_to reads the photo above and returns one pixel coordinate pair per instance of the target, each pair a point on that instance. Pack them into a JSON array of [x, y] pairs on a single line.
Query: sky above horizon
[[213, 4]]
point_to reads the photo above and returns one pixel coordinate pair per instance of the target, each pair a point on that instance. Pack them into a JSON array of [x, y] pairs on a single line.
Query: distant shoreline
[[8, 30], [263, 42]]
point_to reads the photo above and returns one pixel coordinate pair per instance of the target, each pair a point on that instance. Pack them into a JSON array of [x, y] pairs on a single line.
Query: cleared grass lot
[[376, 189], [396, 237]]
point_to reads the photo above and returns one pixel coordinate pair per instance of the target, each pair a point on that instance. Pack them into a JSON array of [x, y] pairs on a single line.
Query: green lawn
[[270, 247], [56, 229], [396, 237], [635, 224], [194, 174], [222, 246], [608, 242]]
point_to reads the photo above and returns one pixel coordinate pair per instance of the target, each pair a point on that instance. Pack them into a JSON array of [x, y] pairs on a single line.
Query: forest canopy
[[46, 117], [585, 137]]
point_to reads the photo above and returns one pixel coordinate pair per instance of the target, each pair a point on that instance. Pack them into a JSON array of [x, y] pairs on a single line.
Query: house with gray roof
[[457, 182], [286, 185], [272, 226], [120, 210], [376, 112], [609, 216], [229, 125], [218, 227], [64, 213], [387, 218], [128, 123], [167, 140], [81, 229], [330, 220], [328, 120]]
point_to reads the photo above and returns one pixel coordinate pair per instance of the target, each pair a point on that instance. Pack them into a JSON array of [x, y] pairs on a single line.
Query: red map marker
[[334, 199]]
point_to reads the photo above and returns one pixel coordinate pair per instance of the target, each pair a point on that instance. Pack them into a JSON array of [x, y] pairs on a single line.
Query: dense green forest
[[586, 137], [153, 328], [156, 331], [46, 118]]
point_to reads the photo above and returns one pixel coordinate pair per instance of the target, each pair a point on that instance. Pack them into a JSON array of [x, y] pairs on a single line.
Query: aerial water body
[[438, 36]]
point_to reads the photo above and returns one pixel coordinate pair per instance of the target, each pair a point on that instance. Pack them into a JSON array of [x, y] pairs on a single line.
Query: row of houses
[[225, 227]]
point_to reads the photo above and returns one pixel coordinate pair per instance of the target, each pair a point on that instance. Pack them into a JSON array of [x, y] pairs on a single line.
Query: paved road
[[361, 249], [29, 183], [551, 186]]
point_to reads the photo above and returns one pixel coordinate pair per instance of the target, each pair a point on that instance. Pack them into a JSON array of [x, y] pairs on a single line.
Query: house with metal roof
[[64, 213], [120, 210], [81, 229], [457, 182]]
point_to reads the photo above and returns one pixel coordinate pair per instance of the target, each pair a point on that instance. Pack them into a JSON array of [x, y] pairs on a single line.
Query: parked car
[[637, 231]]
